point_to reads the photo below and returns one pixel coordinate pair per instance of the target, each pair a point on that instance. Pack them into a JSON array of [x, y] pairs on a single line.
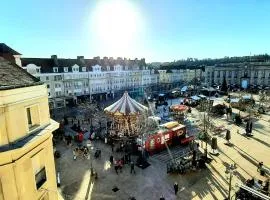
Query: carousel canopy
[[125, 106], [180, 108]]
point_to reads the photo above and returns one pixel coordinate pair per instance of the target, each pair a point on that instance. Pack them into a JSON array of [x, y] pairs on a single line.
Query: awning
[[196, 98], [178, 127], [202, 96], [184, 89], [170, 125], [246, 97], [235, 100]]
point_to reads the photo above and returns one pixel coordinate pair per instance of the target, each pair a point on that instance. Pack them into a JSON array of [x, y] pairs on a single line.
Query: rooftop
[[4, 49], [13, 76]]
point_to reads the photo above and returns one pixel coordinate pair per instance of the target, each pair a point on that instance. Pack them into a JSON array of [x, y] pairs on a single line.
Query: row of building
[[69, 80]]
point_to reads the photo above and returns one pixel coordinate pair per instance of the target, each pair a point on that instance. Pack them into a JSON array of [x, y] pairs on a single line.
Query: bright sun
[[116, 24]]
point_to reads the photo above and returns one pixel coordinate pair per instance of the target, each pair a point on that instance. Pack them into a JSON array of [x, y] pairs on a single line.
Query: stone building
[[241, 74], [27, 169], [69, 80]]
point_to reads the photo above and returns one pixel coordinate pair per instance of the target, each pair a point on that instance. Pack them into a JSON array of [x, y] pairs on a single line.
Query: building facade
[[27, 169], [242, 74], [69, 80]]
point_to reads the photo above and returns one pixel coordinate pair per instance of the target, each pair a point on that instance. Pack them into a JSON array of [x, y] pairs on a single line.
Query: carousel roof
[[125, 106], [180, 108]]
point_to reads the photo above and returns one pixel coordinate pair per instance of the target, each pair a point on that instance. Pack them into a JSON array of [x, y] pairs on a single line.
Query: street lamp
[[230, 170], [90, 147]]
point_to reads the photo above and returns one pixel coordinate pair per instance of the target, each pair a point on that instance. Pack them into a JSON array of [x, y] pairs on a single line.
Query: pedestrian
[[111, 159], [80, 139], [132, 167], [259, 166], [116, 168], [75, 152], [123, 160], [120, 165], [161, 197], [68, 139], [126, 158], [129, 157], [175, 186], [85, 152], [112, 145]]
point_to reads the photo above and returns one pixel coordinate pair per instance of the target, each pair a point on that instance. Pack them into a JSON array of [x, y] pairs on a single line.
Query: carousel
[[179, 111], [124, 114]]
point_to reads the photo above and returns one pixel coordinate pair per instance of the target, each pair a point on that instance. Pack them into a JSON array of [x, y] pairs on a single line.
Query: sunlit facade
[[252, 74], [27, 169]]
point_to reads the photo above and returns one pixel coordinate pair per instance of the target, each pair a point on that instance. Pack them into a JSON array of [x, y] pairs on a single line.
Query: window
[[29, 118], [55, 69], [218, 74], [32, 116], [65, 69], [37, 70], [47, 78], [48, 86], [40, 178], [256, 73], [84, 69]]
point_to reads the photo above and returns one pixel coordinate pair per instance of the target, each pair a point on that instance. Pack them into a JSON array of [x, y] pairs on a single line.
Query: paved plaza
[[152, 182]]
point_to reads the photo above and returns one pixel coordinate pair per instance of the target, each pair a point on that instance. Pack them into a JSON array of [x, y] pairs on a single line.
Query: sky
[[157, 30]]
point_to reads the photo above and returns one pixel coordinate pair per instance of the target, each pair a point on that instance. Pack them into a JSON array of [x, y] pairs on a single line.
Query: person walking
[[75, 153], [161, 197], [116, 168], [259, 166], [175, 186], [112, 145], [132, 167], [111, 159]]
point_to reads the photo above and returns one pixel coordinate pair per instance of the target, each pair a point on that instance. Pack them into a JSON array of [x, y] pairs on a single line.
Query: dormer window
[[84, 69], [55, 69], [65, 69]]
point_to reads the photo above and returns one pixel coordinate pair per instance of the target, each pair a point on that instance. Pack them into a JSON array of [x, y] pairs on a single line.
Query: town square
[[134, 100]]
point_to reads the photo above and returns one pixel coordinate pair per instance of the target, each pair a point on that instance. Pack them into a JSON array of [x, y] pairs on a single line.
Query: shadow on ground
[[149, 183]]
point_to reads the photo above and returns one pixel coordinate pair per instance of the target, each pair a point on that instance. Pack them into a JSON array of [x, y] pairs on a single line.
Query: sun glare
[[116, 24]]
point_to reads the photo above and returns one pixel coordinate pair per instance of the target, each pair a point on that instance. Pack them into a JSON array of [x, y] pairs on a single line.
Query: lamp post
[[230, 170], [89, 145]]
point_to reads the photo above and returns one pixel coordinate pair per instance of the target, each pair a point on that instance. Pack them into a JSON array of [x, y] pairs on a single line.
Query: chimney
[[54, 58], [18, 60], [81, 59]]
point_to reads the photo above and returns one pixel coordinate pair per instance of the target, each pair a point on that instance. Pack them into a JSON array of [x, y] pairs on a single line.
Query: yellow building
[[27, 169]]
